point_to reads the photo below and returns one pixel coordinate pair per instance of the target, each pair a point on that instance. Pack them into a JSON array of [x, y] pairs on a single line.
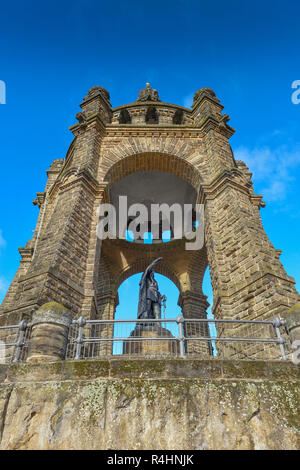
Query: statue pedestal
[[141, 343]]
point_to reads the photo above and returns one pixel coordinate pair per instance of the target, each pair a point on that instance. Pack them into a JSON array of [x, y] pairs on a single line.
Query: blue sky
[[53, 52]]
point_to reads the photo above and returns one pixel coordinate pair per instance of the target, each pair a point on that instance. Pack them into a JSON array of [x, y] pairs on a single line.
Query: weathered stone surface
[[292, 320], [144, 347], [49, 334], [153, 404]]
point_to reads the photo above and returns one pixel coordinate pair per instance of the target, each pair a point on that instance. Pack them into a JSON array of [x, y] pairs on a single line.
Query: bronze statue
[[149, 295]]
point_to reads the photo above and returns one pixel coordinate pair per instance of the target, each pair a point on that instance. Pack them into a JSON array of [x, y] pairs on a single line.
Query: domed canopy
[[148, 94]]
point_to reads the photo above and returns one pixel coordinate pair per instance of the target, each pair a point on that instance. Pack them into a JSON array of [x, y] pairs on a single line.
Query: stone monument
[[149, 307], [66, 272]]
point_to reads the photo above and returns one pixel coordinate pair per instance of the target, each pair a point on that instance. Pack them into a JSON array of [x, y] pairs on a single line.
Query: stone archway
[[150, 161], [185, 269], [121, 259]]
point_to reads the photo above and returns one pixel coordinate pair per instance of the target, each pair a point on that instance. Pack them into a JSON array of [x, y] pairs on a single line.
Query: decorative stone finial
[[202, 91], [95, 90], [148, 94], [57, 163]]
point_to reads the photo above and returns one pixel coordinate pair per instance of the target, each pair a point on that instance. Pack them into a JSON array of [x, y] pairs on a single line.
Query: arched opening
[[178, 117], [148, 178], [207, 290], [124, 117], [153, 161], [159, 206], [164, 232], [121, 260], [128, 294], [151, 116]]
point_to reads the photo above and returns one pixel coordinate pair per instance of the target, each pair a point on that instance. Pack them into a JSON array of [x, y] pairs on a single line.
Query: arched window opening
[[151, 115], [178, 117], [167, 236], [124, 117], [147, 232], [128, 294], [148, 238]]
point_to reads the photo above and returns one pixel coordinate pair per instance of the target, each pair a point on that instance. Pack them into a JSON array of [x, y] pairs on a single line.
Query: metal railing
[[14, 342], [180, 337]]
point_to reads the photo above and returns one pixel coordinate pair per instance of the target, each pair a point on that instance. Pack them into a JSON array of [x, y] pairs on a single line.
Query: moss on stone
[[294, 310], [54, 306]]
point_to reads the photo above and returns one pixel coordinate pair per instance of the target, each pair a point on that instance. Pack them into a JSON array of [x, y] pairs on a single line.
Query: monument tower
[[188, 158], [154, 153]]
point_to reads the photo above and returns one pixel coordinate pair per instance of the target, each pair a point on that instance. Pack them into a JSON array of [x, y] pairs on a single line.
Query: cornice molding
[[209, 123], [26, 254], [81, 176], [224, 180], [87, 122], [146, 104]]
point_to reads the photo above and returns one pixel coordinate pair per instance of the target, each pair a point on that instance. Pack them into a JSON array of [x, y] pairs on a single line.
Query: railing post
[[180, 322], [277, 323], [81, 323], [20, 342]]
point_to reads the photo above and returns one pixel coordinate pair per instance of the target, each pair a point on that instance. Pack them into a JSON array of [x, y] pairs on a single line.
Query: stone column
[[49, 336], [107, 304], [194, 306], [138, 116]]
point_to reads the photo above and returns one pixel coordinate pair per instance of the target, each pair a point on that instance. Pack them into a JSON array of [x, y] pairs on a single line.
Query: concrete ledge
[[149, 369]]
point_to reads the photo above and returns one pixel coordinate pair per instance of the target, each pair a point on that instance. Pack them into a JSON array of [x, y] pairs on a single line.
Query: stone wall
[[158, 404], [65, 262]]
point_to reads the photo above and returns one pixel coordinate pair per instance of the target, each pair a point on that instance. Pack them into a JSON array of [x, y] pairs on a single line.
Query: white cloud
[[273, 170], [188, 101], [2, 241], [3, 285]]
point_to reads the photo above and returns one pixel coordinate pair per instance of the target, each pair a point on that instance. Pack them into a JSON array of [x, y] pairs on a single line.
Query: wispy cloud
[[3, 285], [188, 101], [2, 241], [273, 169]]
